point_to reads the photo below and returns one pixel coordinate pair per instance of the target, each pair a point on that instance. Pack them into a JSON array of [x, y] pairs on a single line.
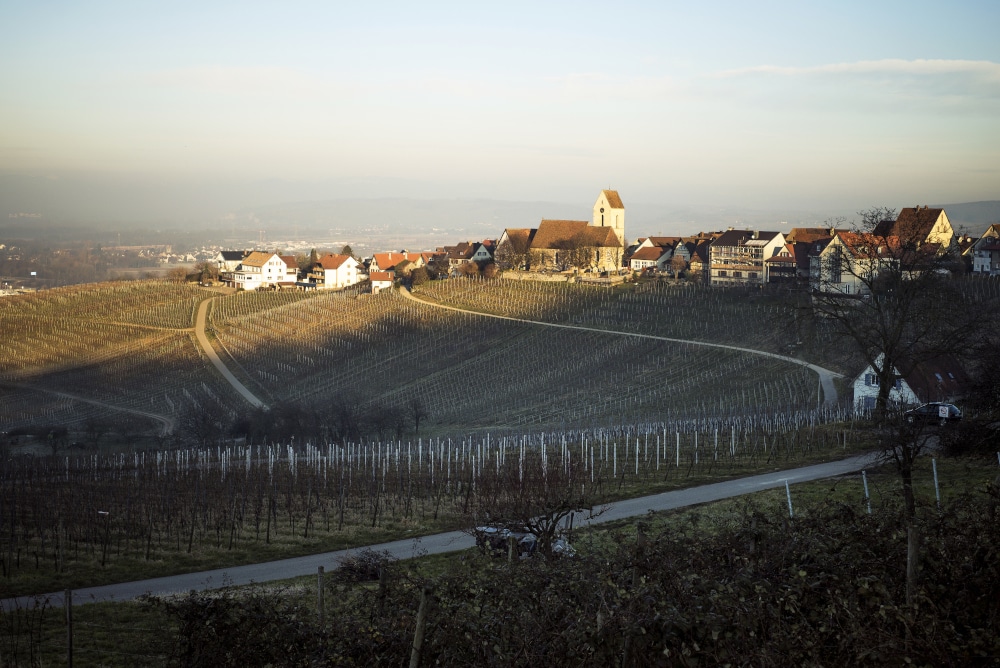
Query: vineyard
[[610, 415], [128, 348], [85, 519], [487, 374]]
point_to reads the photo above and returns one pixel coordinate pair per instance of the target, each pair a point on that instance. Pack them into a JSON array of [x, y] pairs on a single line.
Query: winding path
[[829, 390], [167, 421], [206, 345], [441, 543]]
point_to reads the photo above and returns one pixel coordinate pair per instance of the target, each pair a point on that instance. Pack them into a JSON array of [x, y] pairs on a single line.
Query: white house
[[646, 257], [938, 379], [850, 261], [257, 270], [334, 271], [381, 280], [986, 253]]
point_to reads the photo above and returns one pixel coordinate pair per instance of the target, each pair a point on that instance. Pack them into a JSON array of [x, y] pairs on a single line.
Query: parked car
[[496, 541], [935, 412]]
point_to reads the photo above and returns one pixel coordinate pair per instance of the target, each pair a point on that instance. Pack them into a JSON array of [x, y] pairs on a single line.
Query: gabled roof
[[810, 234], [333, 260], [935, 379], [233, 256], [913, 224], [258, 259], [614, 201], [699, 251], [865, 244], [376, 276], [386, 261], [552, 233], [649, 253], [290, 261], [519, 235], [601, 237], [461, 251], [733, 238], [664, 242]]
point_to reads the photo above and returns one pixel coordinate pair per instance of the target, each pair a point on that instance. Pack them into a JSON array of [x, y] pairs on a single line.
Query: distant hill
[[972, 217]]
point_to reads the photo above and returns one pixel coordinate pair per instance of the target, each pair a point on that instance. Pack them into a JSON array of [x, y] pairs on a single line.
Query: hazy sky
[[843, 104]]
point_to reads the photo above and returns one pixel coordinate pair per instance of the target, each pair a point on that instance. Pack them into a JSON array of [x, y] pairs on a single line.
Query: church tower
[[610, 212]]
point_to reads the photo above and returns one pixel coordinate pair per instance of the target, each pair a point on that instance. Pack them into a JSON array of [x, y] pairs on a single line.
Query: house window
[[871, 380], [722, 274]]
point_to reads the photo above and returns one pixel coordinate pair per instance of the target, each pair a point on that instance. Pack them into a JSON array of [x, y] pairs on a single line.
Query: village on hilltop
[[598, 250]]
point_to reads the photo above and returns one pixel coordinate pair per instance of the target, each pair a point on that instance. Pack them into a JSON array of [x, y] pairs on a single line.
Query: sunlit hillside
[[124, 355]]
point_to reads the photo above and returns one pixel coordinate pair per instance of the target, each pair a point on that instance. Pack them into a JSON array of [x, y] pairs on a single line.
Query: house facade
[[919, 226], [986, 253], [737, 256], [850, 262], [939, 379], [380, 280], [258, 270], [335, 271]]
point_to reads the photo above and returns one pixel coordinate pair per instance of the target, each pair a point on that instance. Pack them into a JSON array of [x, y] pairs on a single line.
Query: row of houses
[[827, 259], [256, 270]]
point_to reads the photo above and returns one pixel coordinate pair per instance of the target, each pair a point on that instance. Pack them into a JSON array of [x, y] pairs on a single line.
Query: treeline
[[342, 419]]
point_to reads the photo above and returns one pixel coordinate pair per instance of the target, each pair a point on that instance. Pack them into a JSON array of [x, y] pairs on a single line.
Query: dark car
[[933, 413]]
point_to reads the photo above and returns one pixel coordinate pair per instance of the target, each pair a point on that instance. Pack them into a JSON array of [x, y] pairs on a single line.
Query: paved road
[[829, 390], [206, 345], [447, 542]]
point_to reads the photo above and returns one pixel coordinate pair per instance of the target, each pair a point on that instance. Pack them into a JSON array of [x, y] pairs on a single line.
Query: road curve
[[443, 542], [165, 420], [206, 345], [825, 375]]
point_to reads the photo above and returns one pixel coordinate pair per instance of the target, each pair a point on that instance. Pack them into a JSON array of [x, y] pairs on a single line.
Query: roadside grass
[[133, 633]]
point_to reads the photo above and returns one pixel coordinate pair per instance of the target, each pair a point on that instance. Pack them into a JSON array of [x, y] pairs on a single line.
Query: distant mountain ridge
[[974, 217]]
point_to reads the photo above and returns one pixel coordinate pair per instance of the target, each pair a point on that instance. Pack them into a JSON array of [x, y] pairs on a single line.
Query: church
[[563, 245]]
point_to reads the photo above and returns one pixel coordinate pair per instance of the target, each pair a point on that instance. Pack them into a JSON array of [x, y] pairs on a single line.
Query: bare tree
[[677, 265], [895, 296], [417, 413]]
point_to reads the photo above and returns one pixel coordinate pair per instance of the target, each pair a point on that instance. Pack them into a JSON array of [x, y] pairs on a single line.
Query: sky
[[766, 104]]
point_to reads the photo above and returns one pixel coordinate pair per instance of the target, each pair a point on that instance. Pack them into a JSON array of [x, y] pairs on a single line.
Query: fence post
[[868, 499], [319, 597], [937, 490], [418, 634], [788, 493], [68, 604]]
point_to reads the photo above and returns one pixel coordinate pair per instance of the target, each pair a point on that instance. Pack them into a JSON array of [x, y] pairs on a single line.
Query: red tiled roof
[[380, 276], [333, 261], [648, 253], [552, 233], [913, 224], [389, 260]]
